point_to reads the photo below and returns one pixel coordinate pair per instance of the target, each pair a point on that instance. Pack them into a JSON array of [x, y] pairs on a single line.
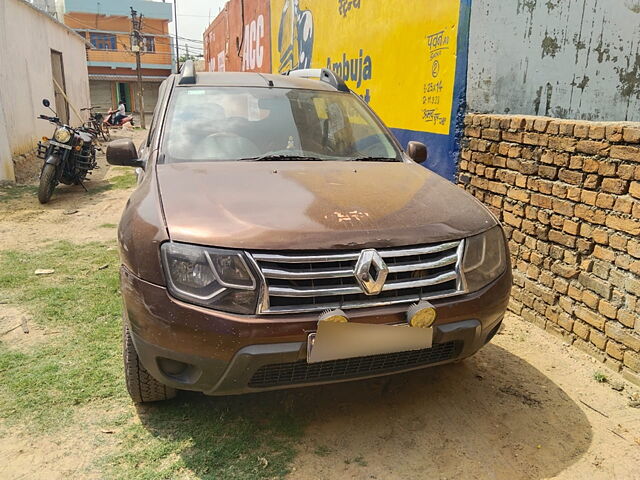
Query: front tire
[[47, 183], [105, 133], [141, 385]]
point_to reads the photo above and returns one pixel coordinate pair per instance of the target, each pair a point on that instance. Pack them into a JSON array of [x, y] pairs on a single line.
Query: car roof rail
[[324, 74], [188, 73]]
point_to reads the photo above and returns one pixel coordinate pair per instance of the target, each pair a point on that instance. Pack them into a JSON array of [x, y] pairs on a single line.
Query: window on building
[[149, 44], [103, 41]]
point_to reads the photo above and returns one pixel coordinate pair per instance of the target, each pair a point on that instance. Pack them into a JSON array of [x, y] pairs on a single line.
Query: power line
[[136, 26], [146, 27]]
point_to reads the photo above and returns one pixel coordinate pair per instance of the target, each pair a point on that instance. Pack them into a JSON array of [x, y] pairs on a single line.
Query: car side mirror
[[123, 153], [46, 102], [417, 151]]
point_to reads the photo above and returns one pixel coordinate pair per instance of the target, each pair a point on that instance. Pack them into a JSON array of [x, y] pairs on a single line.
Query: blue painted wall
[[121, 7]]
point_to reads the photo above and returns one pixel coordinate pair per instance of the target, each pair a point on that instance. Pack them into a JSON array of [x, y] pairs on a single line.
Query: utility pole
[[175, 24], [187, 46], [136, 42]]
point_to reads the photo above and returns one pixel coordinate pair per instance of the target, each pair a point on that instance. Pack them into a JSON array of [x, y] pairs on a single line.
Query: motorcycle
[[68, 157], [95, 124], [111, 114]]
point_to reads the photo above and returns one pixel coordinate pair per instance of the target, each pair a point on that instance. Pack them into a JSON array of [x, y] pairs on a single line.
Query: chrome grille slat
[[324, 292], [284, 274], [313, 292], [267, 257], [308, 282], [407, 252], [449, 260], [370, 303]]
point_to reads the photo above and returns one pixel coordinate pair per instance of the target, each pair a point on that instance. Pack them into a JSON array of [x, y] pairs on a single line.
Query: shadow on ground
[[492, 416]]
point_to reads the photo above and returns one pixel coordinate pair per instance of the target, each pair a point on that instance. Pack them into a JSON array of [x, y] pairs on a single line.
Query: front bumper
[[230, 354]]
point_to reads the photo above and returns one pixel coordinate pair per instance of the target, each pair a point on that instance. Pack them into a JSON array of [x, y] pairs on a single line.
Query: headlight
[[485, 258], [211, 277], [62, 135]]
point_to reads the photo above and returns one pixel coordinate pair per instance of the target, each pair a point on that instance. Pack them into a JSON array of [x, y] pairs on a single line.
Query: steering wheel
[[225, 145], [369, 145]]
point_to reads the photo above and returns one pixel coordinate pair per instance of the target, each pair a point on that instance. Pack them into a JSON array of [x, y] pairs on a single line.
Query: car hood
[[314, 205]]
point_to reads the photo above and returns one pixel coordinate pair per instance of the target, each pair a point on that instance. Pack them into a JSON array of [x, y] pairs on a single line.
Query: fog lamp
[[336, 316], [421, 314]]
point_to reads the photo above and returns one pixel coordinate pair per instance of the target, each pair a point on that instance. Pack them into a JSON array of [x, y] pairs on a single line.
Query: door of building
[[123, 92], [59, 85]]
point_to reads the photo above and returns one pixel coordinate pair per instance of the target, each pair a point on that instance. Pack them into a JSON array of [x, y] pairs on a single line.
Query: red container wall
[[239, 39]]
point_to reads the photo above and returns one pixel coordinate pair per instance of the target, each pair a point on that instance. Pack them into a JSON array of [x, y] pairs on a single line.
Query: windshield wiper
[[270, 158], [373, 159]]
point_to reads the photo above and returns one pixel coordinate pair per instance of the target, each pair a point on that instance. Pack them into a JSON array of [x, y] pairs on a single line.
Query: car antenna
[[268, 80]]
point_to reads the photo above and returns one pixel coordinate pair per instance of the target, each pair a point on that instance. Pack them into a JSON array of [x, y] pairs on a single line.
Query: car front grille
[[302, 372], [307, 282]]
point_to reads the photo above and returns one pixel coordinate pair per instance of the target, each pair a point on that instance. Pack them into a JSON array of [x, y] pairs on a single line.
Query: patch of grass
[[118, 182], [121, 182], [600, 377], [214, 438], [323, 450], [359, 460], [9, 191], [108, 225], [247, 437], [42, 387]]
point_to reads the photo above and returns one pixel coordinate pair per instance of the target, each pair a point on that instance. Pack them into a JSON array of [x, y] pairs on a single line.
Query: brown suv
[[279, 236]]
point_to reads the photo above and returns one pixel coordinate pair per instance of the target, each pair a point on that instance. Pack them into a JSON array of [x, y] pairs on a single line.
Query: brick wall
[[568, 195]]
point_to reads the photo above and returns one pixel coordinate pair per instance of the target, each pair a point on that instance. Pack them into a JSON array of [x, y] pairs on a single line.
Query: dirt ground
[[526, 406], [72, 214]]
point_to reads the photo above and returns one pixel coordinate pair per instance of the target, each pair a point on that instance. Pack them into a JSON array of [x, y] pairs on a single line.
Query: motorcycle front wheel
[[105, 133], [47, 183]]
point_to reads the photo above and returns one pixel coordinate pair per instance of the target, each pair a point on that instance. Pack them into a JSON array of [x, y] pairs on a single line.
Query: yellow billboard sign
[[399, 56]]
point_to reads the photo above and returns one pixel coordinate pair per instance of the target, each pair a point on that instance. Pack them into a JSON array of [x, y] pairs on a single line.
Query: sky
[[194, 17]]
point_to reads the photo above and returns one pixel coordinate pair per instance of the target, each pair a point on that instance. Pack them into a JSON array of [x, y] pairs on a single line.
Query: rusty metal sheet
[[239, 39]]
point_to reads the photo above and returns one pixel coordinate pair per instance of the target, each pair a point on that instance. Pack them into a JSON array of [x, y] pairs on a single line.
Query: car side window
[[156, 111]]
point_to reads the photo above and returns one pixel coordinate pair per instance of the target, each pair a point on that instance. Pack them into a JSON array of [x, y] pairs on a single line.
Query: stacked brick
[[568, 195]]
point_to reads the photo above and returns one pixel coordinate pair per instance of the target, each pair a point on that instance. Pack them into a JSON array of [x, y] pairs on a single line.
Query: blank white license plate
[[334, 341], [61, 145]]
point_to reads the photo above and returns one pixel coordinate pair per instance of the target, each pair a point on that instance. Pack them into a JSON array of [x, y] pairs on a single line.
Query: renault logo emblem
[[371, 272]]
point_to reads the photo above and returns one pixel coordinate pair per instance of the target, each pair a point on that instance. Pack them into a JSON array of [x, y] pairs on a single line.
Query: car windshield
[[239, 123]]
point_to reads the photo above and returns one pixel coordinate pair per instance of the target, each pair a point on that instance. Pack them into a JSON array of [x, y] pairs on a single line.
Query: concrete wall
[[26, 78], [575, 59], [568, 195]]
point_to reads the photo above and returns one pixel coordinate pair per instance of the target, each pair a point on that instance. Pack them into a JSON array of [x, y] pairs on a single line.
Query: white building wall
[[27, 37]]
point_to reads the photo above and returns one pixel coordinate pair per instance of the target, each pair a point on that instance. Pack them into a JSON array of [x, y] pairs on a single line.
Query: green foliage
[[9, 191], [323, 451], [80, 365], [240, 438], [600, 377], [79, 305]]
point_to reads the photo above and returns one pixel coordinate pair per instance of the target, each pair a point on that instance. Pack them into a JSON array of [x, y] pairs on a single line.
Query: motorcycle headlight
[[62, 135], [485, 258], [210, 277]]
